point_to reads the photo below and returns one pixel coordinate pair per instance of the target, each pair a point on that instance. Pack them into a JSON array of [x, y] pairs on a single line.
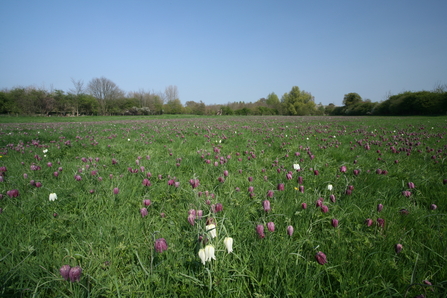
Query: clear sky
[[224, 51]]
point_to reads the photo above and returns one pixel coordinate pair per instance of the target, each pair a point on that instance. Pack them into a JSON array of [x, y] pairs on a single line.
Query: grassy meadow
[[366, 198]]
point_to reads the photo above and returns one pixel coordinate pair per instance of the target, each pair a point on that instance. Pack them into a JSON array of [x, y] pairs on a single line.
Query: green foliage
[[414, 103], [298, 102], [351, 99]]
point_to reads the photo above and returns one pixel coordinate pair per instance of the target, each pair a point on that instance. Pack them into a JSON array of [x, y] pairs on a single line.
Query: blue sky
[[224, 51]]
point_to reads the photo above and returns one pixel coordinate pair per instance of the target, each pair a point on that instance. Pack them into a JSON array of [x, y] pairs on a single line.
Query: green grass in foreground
[[103, 233]]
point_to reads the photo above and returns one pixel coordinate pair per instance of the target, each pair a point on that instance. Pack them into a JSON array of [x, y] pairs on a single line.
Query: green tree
[[351, 99], [298, 102]]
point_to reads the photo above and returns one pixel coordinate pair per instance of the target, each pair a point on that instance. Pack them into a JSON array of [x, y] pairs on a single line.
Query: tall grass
[[103, 233]]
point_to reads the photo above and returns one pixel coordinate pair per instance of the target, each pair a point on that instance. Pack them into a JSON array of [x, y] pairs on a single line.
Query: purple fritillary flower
[[75, 274], [143, 212], [271, 226], [260, 231], [321, 258], [160, 245], [290, 230], [64, 271]]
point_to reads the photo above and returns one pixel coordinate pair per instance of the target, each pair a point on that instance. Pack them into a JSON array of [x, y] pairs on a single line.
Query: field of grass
[[374, 222]]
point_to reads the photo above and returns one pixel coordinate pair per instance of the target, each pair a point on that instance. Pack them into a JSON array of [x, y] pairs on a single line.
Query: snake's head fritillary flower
[[301, 189], [209, 253], [324, 209], [406, 193], [334, 222], [194, 183], [433, 207], [343, 169], [381, 222], [250, 189], [368, 222], [52, 197], [160, 245], [225, 173], [332, 198], [280, 186], [260, 231], [270, 194], [271, 226], [356, 172], [143, 212], [202, 255], [379, 207], [191, 219], [211, 229], [116, 190], [410, 185], [398, 248], [266, 205], [64, 271], [13, 193], [329, 187], [147, 202], [321, 258], [228, 242], [316, 172], [146, 182], [289, 176], [300, 180], [290, 230], [296, 166], [304, 205], [75, 274]]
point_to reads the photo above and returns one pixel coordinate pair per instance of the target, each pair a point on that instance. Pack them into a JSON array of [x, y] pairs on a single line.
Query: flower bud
[[266, 205], [75, 274], [334, 222], [271, 226], [143, 212], [64, 271], [321, 258], [290, 230], [260, 231], [160, 245]]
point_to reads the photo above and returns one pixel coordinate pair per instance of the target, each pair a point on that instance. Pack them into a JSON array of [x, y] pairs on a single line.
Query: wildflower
[[316, 173], [228, 241], [78, 178], [160, 245], [202, 255], [13, 193], [410, 185], [289, 176], [225, 173], [381, 222], [271, 226], [260, 231], [266, 205], [296, 166], [343, 169], [218, 207], [191, 218], [270, 194], [194, 183], [209, 253], [332, 198], [304, 205], [45, 150], [75, 274], [143, 212], [290, 230], [116, 190], [334, 222], [301, 188], [406, 193], [324, 209], [250, 189], [356, 172], [300, 180], [53, 197], [433, 207], [329, 187], [147, 202], [146, 182], [280, 187], [368, 222], [211, 228], [64, 271], [398, 248], [321, 258], [379, 207]]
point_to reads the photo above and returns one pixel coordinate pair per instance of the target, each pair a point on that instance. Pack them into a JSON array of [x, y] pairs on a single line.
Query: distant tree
[[173, 107], [104, 90], [329, 108], [226, 110], [298, 102], [77, 90], [351, 99]]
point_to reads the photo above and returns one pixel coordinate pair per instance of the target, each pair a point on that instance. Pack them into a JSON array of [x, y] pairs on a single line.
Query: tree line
[[102, 96]]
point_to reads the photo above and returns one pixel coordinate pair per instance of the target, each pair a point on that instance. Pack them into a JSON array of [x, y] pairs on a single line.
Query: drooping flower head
[[334, 222], [75, 274], [228, 242], [398, 248], [143, 212], [321, 258], [290, 230], [271, 226], [52, 197], [260, 231], [64, 271], [266, 205], [160, 245]]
